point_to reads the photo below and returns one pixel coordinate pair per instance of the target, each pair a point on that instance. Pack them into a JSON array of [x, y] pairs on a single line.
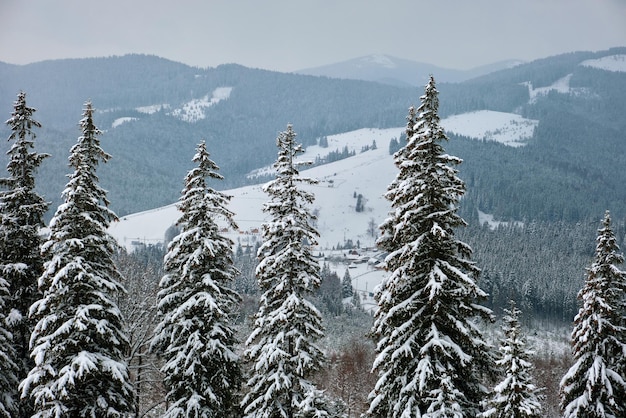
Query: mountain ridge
[[391, 70], [569, 169]]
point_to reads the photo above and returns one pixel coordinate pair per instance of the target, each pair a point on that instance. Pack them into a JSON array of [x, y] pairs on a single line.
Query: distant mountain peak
[[386, 69], [379, 60]]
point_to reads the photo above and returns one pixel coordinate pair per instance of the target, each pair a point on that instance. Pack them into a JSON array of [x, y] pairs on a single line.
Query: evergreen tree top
[[288, 202], [23, 161], [21, 120], [83, 196], [596, 384], [198, 197]]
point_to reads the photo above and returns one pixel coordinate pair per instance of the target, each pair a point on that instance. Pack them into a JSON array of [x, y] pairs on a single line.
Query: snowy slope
[[615, 63], [507, 128], [367, 173], [192, 111], [562, 86]]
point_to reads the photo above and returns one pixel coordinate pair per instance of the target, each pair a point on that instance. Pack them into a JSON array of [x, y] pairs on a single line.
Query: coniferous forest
[[202, 327]]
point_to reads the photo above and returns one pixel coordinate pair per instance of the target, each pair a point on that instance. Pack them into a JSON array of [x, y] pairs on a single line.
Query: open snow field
[[616, 63], [367, 173]]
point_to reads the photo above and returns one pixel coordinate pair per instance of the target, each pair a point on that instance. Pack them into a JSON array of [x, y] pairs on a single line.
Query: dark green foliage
[[329, 293], [431, 356], [360, 203], [515, 395], [595, 386], [346, 285], [394, 146], [21, 218], [79, 344], [195, 333], [537, 265], [282, 346]]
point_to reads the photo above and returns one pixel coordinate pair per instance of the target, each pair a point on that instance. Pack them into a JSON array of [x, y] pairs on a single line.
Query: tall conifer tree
[[79, 344], [282, 345], [431, 356], [595, 386], [195, 332], [21, 218]]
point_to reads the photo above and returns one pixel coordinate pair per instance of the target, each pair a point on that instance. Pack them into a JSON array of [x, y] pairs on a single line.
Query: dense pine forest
[[199, 326]]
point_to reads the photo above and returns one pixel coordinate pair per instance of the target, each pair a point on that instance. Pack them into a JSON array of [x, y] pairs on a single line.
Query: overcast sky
[[288, 35]]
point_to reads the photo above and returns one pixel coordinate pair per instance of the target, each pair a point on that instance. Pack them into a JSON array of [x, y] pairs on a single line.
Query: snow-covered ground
[[117, 122], [615, 63], [194, 110], [562, 86], [508, 128], [149, 110], [486, 218], [367, 173]]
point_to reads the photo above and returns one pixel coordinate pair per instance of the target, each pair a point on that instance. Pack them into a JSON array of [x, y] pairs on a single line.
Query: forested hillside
[[153, 112]]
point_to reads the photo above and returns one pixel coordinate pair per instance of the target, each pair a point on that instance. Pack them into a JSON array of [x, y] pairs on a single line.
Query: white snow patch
[[149, 110], [507, 128], [353, 141], [379, 59], [614, 63], [562, 85], [144, 228], [486, 218], [367, 173], [117, 122], [193, 110]]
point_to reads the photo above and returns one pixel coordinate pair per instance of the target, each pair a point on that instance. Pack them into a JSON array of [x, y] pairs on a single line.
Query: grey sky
[[288, 35]]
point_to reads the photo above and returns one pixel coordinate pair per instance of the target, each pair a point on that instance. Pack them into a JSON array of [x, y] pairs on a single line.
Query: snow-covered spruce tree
[[515, 396], [431, 355], [195, 333], [595, 385], [346, 285], [78, 343], [282, 345], [21, 263]]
